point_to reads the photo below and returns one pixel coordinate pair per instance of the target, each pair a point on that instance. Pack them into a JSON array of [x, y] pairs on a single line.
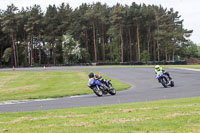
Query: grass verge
[[128, 66], [20, 85], [180, 115], [184, 66], [176, 66], [169, 66]]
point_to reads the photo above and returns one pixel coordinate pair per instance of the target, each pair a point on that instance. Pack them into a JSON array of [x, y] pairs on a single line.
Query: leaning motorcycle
[[103, 87], [163, 79]]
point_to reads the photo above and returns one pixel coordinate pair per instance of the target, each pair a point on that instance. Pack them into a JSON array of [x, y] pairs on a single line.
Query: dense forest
[[92, 33]]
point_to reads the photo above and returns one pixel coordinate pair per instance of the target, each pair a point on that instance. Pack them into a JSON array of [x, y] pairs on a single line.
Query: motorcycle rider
[[160, 69], [97, 76], [92, 81], [95, 80]]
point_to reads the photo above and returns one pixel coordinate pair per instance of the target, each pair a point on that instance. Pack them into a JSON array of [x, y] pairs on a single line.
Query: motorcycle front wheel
[[111, 90], [164, 82], [97, 91]]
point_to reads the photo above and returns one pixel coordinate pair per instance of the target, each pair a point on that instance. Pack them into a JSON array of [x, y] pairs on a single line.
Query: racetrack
[[144, 88]]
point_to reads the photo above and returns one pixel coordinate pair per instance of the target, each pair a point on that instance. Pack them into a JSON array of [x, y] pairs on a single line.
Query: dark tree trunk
[[138, 43], [31, 45], [25, 54], [158, 50], [149, 39], [103, 45], [122, 44], [14, 50], [40, 56], [130, 43], [86, 41], [54, 54], [94, 39], [154, 51]]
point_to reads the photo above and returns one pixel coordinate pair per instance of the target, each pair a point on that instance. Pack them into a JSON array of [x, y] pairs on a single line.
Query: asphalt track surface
[[144, 87]]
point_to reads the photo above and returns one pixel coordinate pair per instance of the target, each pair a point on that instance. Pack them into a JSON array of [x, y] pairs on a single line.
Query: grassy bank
[[43, 84], [167, 66], [128, 66], [180, 115], [184, 66], [175, 66]]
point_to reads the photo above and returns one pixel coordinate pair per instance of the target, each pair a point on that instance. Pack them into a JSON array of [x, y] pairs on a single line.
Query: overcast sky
[[188, 9]]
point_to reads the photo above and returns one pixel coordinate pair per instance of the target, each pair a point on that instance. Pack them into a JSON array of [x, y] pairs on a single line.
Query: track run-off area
[[144, 87]]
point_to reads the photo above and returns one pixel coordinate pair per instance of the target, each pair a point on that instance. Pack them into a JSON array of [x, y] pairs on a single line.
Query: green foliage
[[145, 56], [7, 54], [192, 50], [114, 53], [112, 34], [73, 53], [198, 49]]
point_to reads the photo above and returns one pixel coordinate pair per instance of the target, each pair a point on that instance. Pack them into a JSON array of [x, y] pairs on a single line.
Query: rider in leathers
[[95, 80], [160, 69]]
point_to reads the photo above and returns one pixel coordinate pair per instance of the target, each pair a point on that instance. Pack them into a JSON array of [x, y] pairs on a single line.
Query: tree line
[[91, 33]]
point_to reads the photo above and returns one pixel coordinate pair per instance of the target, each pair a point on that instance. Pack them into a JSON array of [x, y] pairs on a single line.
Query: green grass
[[174, 116], [19, 85], [169, 66], [128, 66], [184, 66], [173, 66]]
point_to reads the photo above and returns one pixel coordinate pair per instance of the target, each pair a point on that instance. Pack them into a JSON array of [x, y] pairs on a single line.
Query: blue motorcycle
[[101, 87], [163, 79]]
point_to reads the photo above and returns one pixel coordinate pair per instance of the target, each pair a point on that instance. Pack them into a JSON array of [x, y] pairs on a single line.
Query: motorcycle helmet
[[157, 67], [97, 76], [91, 75]]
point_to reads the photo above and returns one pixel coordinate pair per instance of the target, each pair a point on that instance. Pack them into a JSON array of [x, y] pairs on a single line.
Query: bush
[[145, 56]]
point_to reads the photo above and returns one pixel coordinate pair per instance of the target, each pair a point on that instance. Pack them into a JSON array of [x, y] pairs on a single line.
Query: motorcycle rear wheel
[[172, 84]]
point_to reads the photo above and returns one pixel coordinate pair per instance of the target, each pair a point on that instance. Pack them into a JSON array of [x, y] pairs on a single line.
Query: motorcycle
[[163, 79], [103, 87]]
